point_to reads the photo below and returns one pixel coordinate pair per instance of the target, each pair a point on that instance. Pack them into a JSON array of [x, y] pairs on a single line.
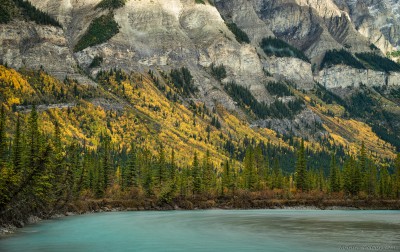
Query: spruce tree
[[196, 174], [250, 169], [3, 140], [397, 176], [133, 171], [208, 178], [18, 147], [334, 175], [226, 177], [301, 168], [161, 167]]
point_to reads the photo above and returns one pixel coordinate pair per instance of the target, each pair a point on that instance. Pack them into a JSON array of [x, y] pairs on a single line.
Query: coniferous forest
[[81, 158], [41, 175]]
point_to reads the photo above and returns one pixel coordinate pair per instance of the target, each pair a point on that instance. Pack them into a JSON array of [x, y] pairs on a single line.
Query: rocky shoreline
[[99, 206]]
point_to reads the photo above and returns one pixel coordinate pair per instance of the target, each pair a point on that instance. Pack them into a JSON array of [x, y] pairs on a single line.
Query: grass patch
[[279, 48], [100, 30], [200, 2]]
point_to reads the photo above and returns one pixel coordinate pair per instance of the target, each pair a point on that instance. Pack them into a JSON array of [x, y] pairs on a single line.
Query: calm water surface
[[214, 230]]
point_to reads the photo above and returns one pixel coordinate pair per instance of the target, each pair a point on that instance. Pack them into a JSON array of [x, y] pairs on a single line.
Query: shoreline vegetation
[[43, 175], [243, 201]]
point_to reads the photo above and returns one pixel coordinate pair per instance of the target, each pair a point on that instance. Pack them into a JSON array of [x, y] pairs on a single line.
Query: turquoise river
[[213, 230]]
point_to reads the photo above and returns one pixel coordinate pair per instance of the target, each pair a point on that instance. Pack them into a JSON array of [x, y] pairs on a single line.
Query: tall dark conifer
[[301, 168]]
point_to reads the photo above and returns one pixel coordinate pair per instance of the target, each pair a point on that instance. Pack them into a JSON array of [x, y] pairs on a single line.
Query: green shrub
[[394, 54], [328, 96], [96, 62], [373, 47], [240, 35], [100, 30], [6, 11], [278, 89], [279, 48], [183, 81], [378, 63], [277, 109], [111, 4], [337, 57], [218, 72], [200, 2]]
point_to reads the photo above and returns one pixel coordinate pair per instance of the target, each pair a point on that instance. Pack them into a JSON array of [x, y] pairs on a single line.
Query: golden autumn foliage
[[132, 109]]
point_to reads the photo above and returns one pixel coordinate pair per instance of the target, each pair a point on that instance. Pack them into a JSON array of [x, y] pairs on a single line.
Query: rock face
[[30, 45], [379, 21], [168, 34], [34, 46], [291, 69], [344, 76], [163, 34]]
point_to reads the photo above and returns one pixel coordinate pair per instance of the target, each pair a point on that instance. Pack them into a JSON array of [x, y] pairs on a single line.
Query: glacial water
[[213, 230]]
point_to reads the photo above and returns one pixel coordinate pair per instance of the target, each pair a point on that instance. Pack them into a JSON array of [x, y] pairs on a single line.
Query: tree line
[[40, 172]]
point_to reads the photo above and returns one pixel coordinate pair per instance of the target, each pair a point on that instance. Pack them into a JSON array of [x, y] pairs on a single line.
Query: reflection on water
[[214, 230]]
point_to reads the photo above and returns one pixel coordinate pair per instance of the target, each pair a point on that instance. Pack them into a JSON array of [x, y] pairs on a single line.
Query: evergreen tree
[[227, 177], [161, 167], [196, 174], [334, 176], [133, 171], [208, 178], [301, 168], [397, 176], [33, 138], [250, 169], [18, 147], [277, 177], [106, 164], [3, 139], [172, 166]]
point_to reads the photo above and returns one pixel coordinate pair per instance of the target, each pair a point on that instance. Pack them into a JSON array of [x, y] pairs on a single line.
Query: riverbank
[[235, 203]]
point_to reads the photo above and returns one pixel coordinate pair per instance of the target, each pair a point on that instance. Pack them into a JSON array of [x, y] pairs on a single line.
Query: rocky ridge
[[161, 35]]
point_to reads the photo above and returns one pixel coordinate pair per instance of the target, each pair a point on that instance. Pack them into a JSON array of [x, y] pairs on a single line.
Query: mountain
[[189, 102]]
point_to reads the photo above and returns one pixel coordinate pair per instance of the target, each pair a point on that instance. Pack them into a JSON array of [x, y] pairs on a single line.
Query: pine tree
[[208, 178], [5, 174], [133, 171], [106, 165], [384, 183], [161, 167], [172, 166], [397, 176], [18, 147], [277, 177], [334, 175], [226, 177], [33, 140], [356, 179], [301, 168], [59, 161], [3, 140], [196, 174], [250, 169], [148, 179]]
